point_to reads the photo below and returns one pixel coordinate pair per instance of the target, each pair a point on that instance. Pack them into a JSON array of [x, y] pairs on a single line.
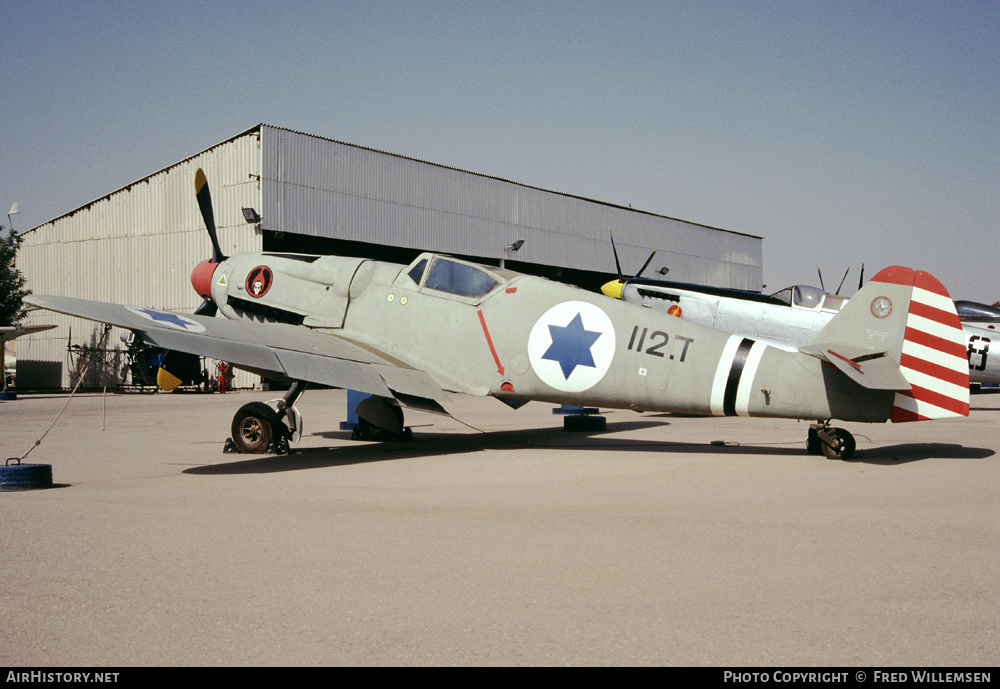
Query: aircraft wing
[[275, 349], [12, 332]]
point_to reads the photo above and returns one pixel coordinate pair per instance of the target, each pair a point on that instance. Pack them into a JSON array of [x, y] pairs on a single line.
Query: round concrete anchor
[[25, 476]]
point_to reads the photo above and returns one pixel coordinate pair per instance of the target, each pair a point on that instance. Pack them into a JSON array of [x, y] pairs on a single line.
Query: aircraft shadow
[[914, 452], [554, 439]]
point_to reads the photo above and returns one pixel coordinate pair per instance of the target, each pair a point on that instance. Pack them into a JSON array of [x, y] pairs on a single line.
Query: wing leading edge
[[274, 349]]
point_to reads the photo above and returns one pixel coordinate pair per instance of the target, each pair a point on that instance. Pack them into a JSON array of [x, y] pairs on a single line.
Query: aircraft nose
[[201, 278], [613, 288]]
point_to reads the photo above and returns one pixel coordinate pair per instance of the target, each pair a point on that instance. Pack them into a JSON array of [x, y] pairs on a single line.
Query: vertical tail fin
[[901, 332]]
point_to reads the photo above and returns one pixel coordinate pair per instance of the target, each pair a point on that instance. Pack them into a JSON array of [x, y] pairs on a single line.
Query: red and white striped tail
[[934, 359]]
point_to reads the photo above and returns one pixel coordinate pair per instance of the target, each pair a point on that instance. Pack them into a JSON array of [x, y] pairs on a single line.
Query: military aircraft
[[410, 335], [983, 315], [980, 322], [790, 318], [12, 332]]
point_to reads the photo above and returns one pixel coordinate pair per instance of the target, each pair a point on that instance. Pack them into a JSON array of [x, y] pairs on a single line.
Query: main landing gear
[[833, 443], [260, 427]]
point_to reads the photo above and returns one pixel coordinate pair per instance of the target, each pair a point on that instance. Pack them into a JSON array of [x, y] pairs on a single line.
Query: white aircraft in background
[[791, 318], [974, 313]]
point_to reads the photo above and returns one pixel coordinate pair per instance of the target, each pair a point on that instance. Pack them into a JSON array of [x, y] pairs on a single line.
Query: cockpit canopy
[[974, 311], [808, 297], [801, 295], [451, 276]]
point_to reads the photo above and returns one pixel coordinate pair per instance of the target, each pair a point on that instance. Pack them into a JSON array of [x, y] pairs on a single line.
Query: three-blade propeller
[[614, 288], [178, 367]]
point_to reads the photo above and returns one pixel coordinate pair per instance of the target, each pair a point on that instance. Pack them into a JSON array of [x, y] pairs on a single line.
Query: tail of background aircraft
[[901, 332]]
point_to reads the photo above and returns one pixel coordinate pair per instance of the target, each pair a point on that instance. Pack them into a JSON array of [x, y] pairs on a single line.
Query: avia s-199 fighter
[[410, 335]]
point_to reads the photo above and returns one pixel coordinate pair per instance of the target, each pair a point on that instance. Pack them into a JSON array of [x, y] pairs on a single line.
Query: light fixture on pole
[[510, 248], [13, 211]]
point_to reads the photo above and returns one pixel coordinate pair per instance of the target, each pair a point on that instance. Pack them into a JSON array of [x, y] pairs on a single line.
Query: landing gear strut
[[833, 443], [260, 427]]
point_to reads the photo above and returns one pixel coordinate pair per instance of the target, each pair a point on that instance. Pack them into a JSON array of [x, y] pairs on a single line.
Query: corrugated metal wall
[[325, 188], [136, 246]]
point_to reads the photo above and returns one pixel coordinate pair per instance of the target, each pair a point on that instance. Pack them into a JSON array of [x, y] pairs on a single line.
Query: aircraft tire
[[843, 445], [255, 427], [25, 476], [371, 432]]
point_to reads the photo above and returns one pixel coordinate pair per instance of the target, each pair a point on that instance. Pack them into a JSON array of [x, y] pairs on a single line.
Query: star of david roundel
[[571, 346], [165, 319]]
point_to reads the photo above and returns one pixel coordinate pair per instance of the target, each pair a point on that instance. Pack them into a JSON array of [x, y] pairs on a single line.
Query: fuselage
[[482, 330]]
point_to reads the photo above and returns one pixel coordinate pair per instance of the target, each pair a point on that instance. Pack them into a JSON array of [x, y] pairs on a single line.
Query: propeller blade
[[821, 285], [618, 265], [646, 264], [178, 368], [205, 204], [862, 278], [207, 308], [842, 280]]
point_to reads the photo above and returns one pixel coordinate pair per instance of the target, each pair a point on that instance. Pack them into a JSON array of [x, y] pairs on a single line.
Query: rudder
[[934, 358]]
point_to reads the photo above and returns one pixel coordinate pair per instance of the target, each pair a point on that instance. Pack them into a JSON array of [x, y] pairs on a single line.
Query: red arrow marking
[[489, 341]]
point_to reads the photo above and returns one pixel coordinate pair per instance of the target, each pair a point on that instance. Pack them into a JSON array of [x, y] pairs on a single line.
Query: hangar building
[[279, 190]]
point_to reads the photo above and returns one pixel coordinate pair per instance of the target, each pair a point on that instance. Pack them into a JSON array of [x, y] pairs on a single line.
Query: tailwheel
[[838, 444], [833, 443], [255, 427]]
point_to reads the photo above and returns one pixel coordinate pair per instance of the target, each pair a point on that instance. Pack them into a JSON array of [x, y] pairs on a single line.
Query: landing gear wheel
[[366, 430], [255, 427], [841, 445]]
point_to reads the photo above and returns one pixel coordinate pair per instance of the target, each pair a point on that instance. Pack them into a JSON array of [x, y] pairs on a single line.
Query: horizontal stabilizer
[[866, 367]]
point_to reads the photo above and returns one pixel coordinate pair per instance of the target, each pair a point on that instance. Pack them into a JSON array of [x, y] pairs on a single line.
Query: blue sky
[[841, 132]]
